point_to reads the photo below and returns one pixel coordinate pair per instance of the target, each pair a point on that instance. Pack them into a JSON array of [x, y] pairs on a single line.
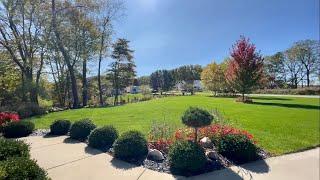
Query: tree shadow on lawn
[[270, 98], [301, 106]]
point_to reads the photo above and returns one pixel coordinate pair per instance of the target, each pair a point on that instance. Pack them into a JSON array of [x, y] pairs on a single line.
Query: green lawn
[[279, 124]]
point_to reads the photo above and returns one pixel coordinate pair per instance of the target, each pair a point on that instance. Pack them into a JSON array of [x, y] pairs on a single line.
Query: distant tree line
[[166, 80]]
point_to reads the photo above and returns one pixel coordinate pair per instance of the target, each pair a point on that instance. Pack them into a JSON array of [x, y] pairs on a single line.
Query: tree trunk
[[308, 77], [195, 135], [66, 57], [84, 83], [99, 70], [243, 97]]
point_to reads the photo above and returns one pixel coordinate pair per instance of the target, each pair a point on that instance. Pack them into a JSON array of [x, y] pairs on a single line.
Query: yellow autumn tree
[[212, 77]]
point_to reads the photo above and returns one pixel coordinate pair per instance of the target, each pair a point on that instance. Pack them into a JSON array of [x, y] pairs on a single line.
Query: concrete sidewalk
[[66, 159]]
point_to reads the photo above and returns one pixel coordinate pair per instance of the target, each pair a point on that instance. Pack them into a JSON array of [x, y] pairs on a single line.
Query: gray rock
[[212, 154], [155, 155], [206, 142]]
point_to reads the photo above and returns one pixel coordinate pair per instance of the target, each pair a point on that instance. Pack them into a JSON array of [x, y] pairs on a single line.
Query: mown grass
[[279, 124]]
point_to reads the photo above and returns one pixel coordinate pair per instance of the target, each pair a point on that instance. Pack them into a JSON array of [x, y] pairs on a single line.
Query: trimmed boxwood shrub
[[102, 138], [60, 127], [80, 130], [131, 146], [21, 168], [13, 148], [238, 148], [186, 158], [18, 129]]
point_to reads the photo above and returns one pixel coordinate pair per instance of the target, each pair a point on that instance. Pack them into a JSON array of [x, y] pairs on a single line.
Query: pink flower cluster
[[6, 117]]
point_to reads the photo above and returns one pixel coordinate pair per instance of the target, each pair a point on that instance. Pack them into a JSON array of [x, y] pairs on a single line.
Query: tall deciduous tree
[[21, 34], [122, 69], [213, 78], [307, 52], [245, 68]]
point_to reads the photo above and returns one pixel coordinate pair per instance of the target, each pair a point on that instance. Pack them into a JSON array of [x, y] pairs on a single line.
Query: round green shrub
[[196, 117], [238, 148], [21, 168], [186, 157], [131, 146], [60, 127], [103, 138], [13, 148], [18, 129], [80, 130]]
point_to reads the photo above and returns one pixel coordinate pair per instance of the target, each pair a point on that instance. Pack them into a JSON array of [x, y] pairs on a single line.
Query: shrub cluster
[[238, 148], [60, 127], [80, 130], [13, 148], [131, 146], [298, 91], [18, 129], [30, 109], [102, 138], [186, 157], [21, 168]]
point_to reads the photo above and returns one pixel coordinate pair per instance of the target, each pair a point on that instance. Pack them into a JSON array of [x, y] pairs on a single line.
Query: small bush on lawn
[[60, 127], [238, 148], [131, 146], [18, 129], [22, 168], [30, 109], [186, 157], [13, 148], [80, 130], [103, 138]]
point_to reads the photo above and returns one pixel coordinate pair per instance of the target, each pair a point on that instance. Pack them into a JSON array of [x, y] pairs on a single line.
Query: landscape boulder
[[155, 155], [206, 142]]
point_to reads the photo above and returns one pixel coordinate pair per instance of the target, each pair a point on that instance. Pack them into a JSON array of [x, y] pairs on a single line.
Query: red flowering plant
[[6, 117], [214, 132]]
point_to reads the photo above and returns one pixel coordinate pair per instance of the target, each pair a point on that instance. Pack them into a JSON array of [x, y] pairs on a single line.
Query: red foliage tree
[[245, 68]]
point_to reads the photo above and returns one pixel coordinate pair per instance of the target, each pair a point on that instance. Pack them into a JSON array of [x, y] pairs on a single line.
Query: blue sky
[[168, 33]]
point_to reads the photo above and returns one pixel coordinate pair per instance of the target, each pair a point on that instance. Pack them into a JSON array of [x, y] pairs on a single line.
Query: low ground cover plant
[[60, 127], [80, 130], [18, 129], [102, 138], [186, 157], [131, 146], [13, 148], [21, 168]]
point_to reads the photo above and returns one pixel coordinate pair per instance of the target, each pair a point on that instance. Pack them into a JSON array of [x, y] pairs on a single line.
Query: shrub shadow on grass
[[92, 151], [301, 106], [119, 164]]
